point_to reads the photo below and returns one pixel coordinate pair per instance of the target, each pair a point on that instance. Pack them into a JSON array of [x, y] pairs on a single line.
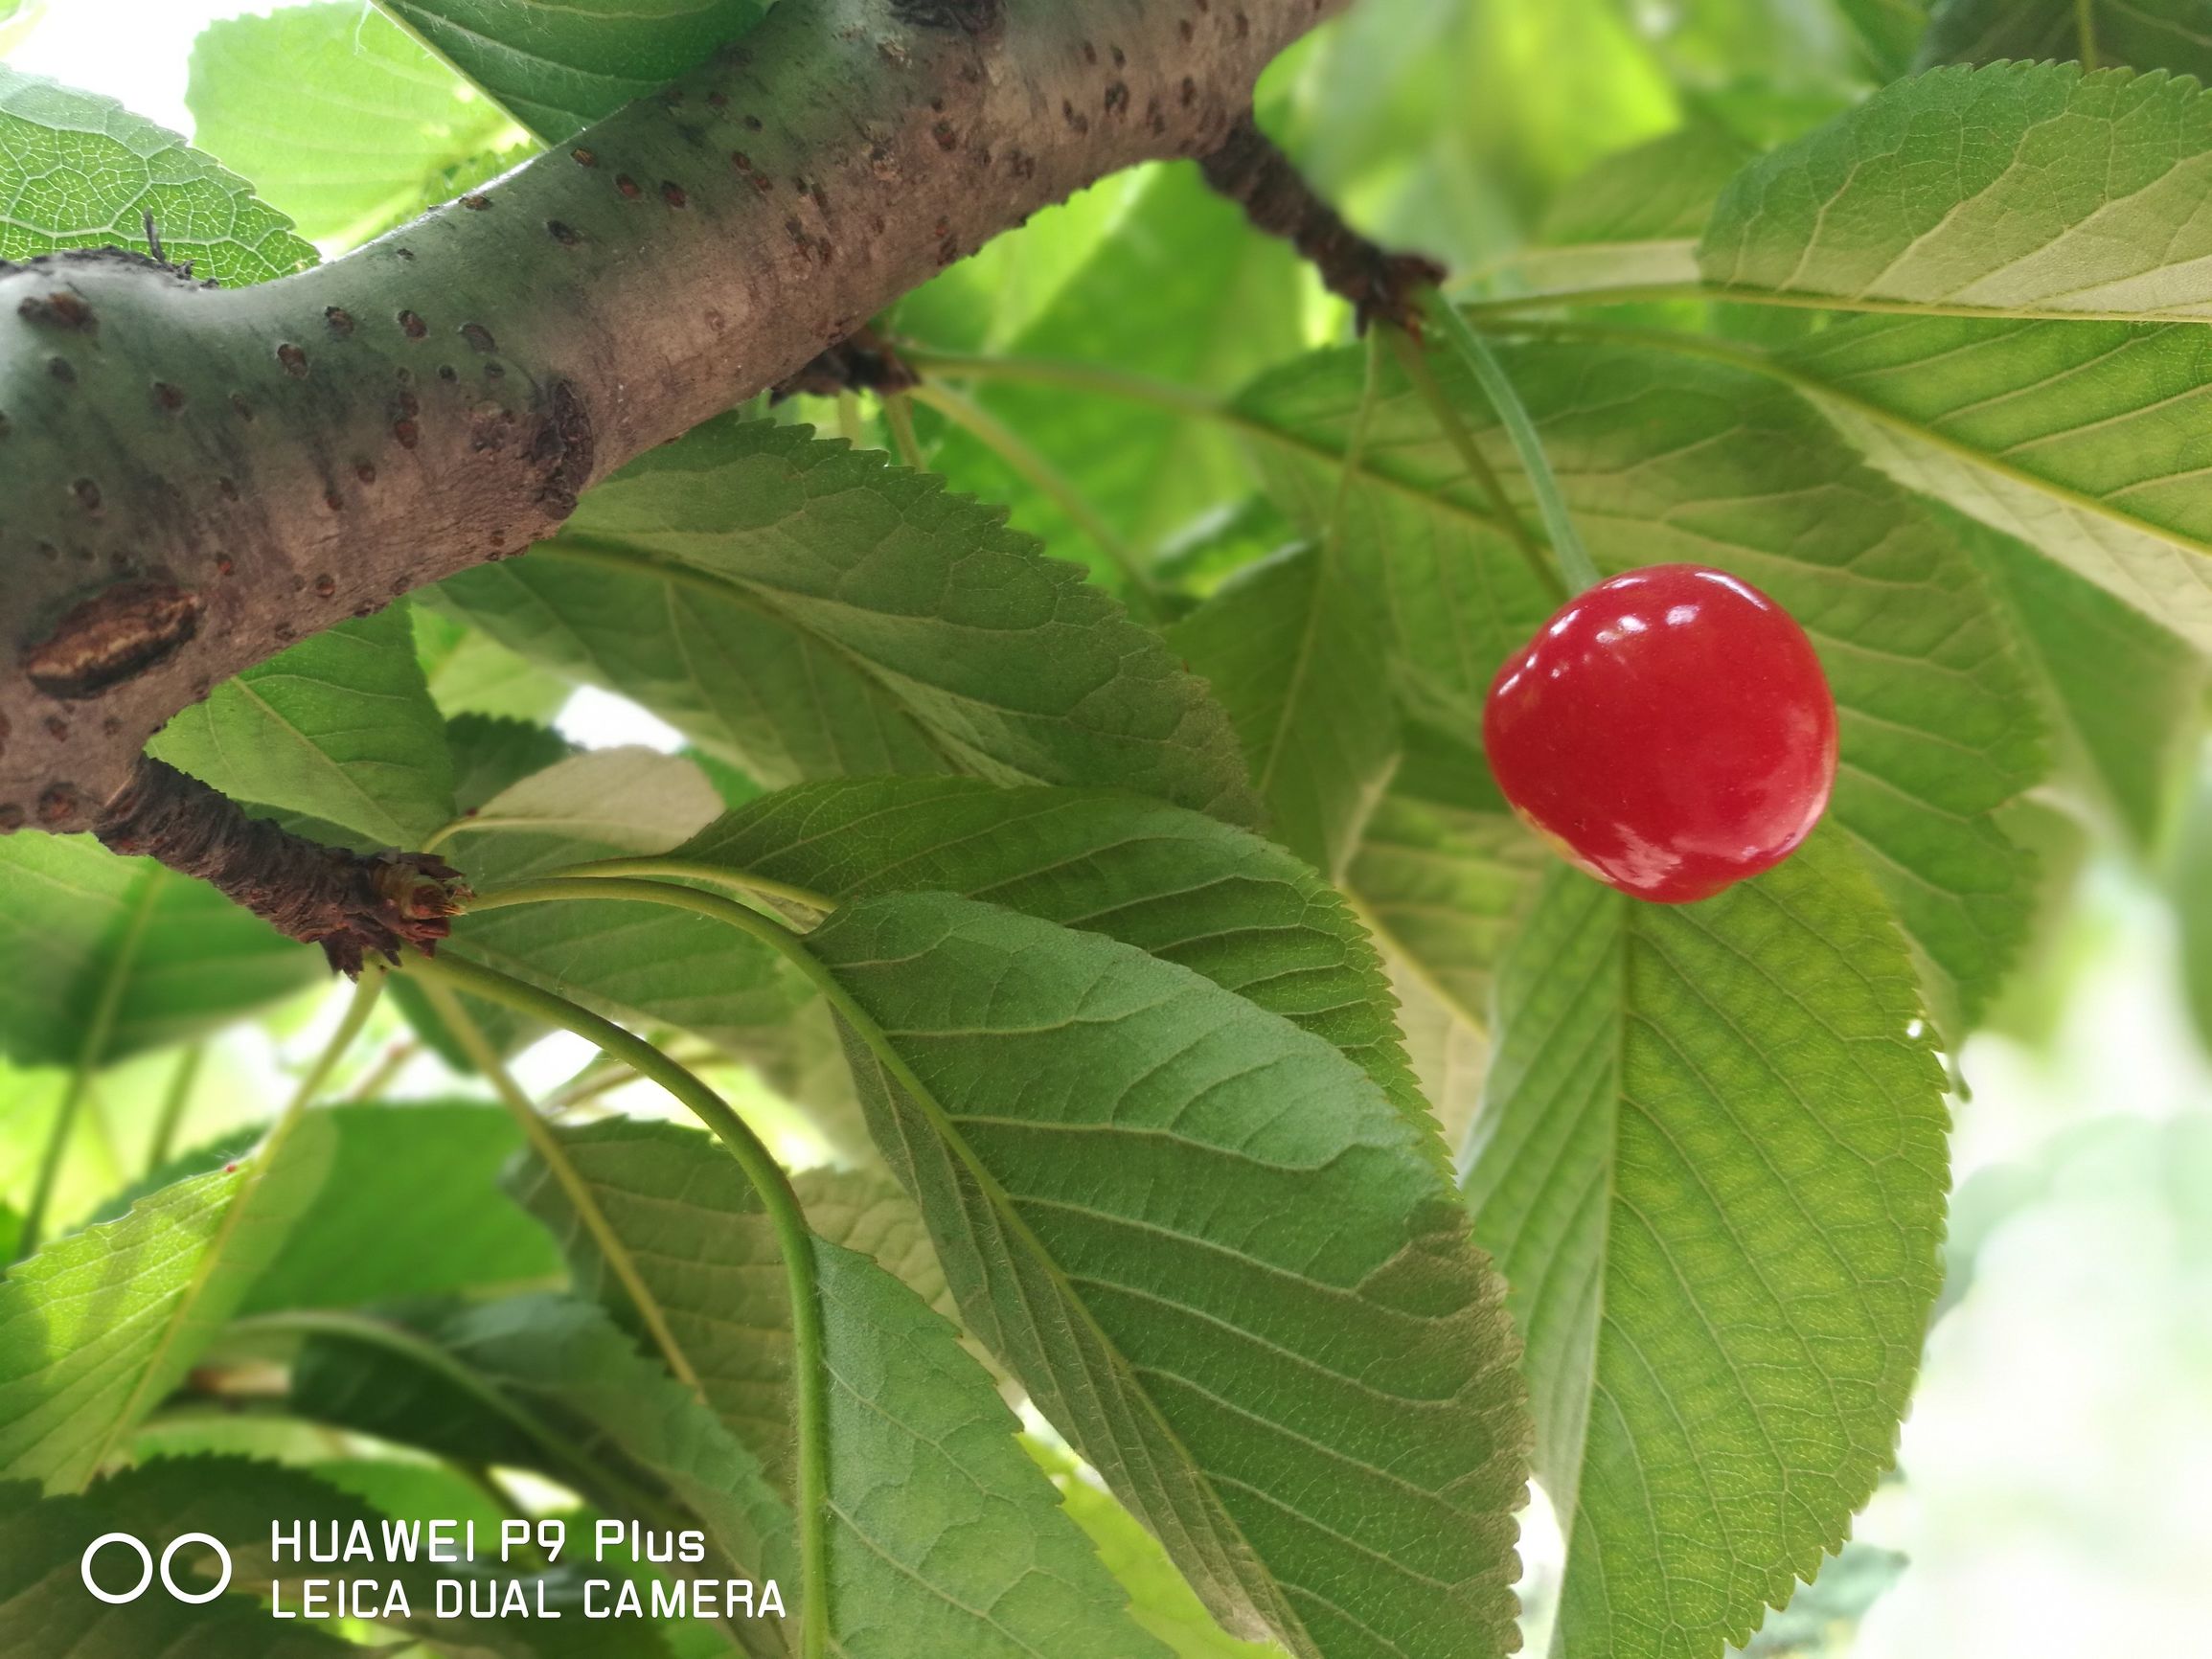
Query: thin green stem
[[899, 416], [1040, 474], [175, 1101], [90, 1052], [1176, 400], [574, 1186], [1638, 293], [1415, 362], [697, 870], [2085, 26], [389, 1066], [778, 1199], [849, 419], [1574, 560]]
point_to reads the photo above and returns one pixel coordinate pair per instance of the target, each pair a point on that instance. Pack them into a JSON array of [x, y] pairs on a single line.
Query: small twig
[[864, 361], [1249, 170], [355, 905]]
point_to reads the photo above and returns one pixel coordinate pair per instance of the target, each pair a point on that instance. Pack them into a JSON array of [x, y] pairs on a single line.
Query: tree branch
[[191, 478], [1247, 169]]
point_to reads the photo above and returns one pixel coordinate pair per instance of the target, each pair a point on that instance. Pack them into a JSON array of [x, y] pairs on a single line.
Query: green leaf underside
[[577, 1378], [234, 1499], [559, 68], [1443, 890], [1297, 661], [1002, 662], [1633, 219], [99, 1326], [412, 1207], [2125, 730], [1711, 1160], [2139, 33], [2086, 440], [626, 961], [1159, 1599], [494, 753], [46, 1614], [695, 1234], [340, 118], [179, 958], [1141, 1188], [2032, 189], [946, 1542], [1182, 886], [340, 728], [80, 170], [1662, 458]]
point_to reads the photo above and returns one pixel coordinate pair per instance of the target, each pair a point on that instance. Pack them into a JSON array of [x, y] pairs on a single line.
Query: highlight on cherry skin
[[1668, 731]]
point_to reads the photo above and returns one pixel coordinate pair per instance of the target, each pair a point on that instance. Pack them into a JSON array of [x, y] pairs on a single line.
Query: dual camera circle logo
[[146, 1564]]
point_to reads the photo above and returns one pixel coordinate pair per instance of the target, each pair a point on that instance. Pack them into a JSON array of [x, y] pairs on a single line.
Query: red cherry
[[1668, 731]]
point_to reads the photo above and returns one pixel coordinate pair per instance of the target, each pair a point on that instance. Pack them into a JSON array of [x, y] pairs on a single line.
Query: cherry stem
[[1413, 358], [1574, 558]]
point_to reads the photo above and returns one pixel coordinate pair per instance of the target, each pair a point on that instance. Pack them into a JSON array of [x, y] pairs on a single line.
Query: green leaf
[[471, 673], [2139, 33], [493, 754], [2128, 732], [1299, 662], [946, 1542], [1183, 290], [1711, 1162], [2024, 190], [702, 1248], [235, 1500], [554, 1382], [412, 1208], [82, 172], [1182, 886], [1664, 457], [339, 728], [559, 68], [1142, 1188], [171, 957], [1004, 662], [626, 961], [1443, 884], [1820, 1614], [748, 691], [46, 1614], [2083, 439], [340, 118], [97, 1328], [1159, 1599], [1634, 218], [2189, 882]]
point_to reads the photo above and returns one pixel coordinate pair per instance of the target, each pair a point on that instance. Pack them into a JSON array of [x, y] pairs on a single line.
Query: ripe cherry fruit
[[1668, 731]]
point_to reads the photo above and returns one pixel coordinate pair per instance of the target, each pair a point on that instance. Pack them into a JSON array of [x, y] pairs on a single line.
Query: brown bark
[[355, 905], [191, 478], [1247, 169]]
